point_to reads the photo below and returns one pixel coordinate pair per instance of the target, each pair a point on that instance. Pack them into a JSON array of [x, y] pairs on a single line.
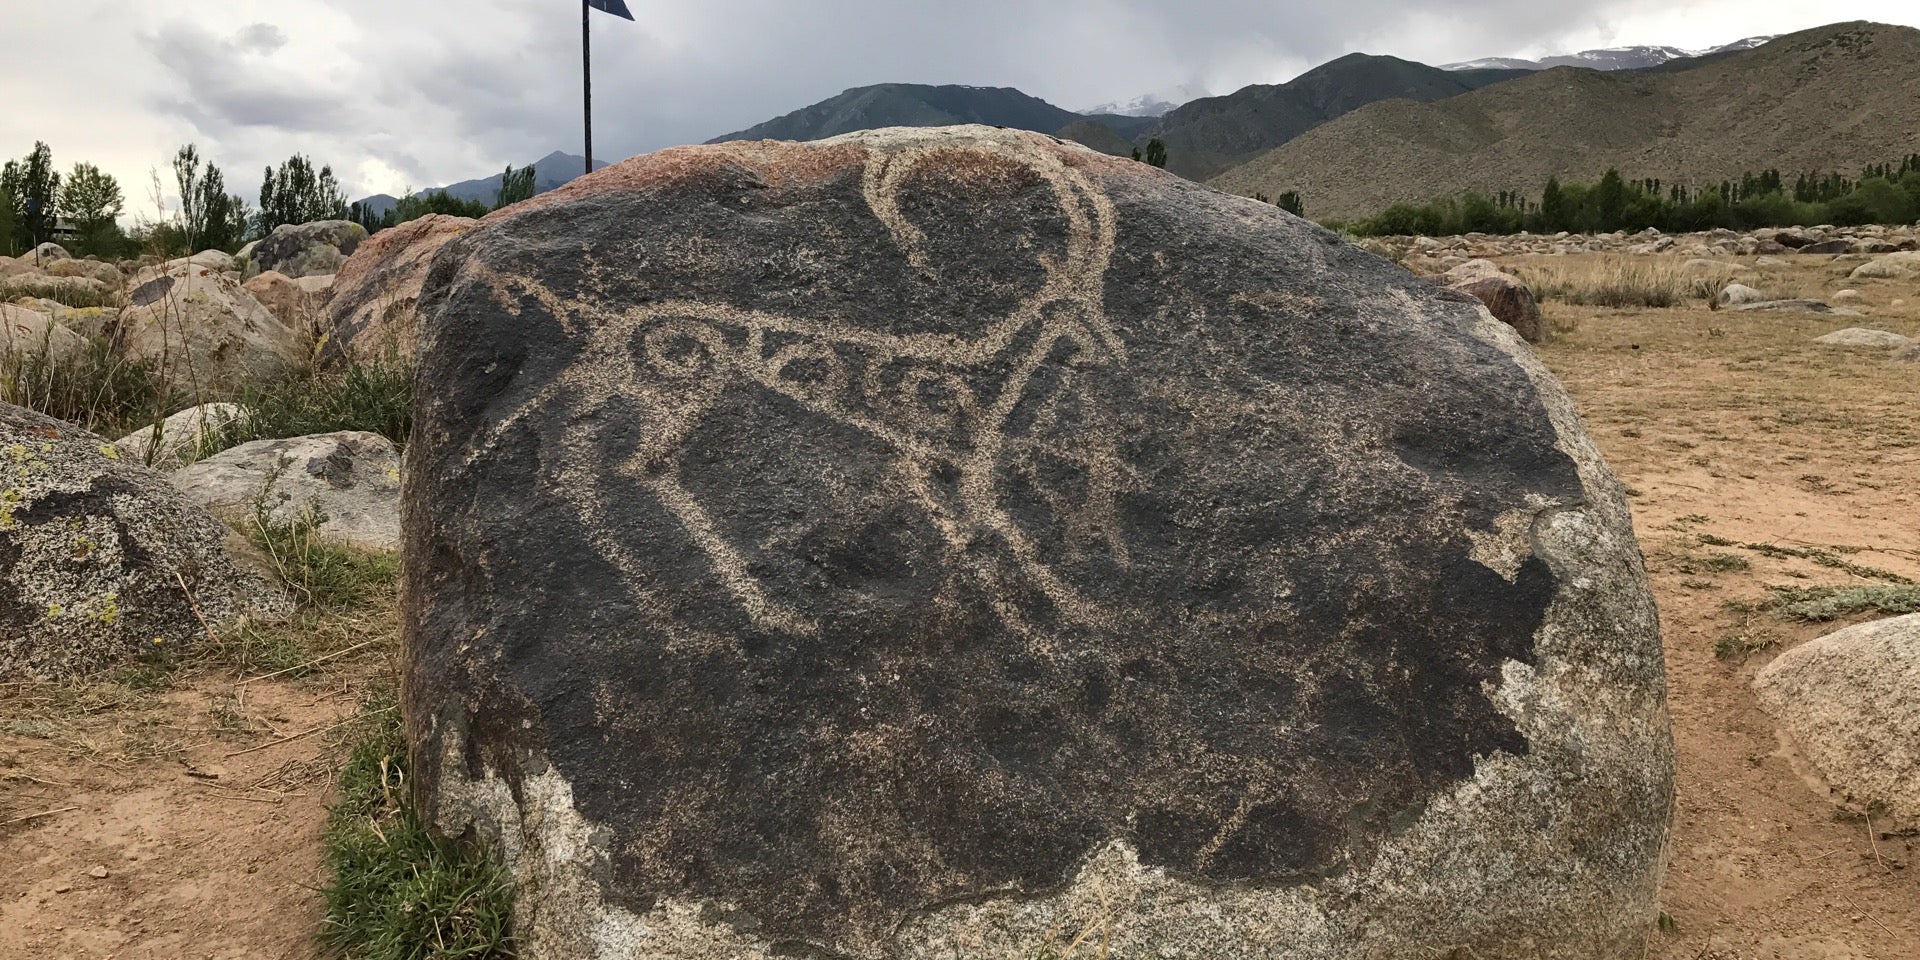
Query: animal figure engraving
[[920, 393]]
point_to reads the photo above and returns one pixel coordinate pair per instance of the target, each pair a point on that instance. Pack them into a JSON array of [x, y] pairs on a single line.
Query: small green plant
[[1740, 645], [323, 574], [1822, 604], [397, 892]]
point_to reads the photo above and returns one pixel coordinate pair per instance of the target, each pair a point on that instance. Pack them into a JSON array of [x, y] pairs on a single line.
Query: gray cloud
[[223, 84], [431, 92]]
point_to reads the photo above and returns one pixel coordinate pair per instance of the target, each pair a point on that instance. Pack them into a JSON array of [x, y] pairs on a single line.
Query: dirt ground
[[178, 815]]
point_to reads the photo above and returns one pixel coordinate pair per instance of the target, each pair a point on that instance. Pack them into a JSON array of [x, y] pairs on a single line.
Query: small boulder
[[1894, 266], [1737, 294], [204, 328], [306, 249], [1851, 700], [1847, 298], [1794, 306], [1862, 337], [11, 267], [106, 273], [352, 479], [67, 290], [181, 438], [29, 333], [101, 559], [1506, 297], [1828, 247], [376, 292]]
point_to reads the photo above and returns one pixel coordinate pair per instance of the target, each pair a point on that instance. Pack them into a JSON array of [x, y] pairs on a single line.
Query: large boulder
[[935, 538], [375, 294], [48, 252], [203, 328], [299, 304], [1506, 297], [30, 333], [101, 559], [1852, 701], [306, 249], [182, 437], [349, 480]]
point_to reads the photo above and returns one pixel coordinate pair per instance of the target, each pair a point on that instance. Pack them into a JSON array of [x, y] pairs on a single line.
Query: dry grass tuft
[[1617, 282]]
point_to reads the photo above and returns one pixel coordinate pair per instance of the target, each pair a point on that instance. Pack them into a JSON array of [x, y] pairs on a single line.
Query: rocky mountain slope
[[1833, 98], [1213, 134], [921, 105]]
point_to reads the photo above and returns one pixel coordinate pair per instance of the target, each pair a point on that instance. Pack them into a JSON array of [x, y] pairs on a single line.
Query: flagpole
[[586, 72]]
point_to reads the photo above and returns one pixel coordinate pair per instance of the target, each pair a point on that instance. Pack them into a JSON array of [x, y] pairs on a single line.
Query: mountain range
[[1361, 132], [1834, 98], [549, 172], [1607, 58]]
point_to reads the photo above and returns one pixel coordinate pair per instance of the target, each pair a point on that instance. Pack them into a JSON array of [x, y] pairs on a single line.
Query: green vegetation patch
[[376, 397], [398, 892], [1822, 604]]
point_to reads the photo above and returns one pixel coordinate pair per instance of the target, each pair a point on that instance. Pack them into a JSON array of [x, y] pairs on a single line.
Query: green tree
[[435, 201], [91, 201], [1290, 202], [188, 177], [35, 189], [1609, 201], [1554, 213], [8, 217], [296, 192], [515, 186], [1156, 153]]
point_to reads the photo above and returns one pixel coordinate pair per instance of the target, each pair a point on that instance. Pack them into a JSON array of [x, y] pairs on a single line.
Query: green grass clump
[[63, 292], [1821, 604], [324, 575], [398, 892], [376, 397], [94, 387]]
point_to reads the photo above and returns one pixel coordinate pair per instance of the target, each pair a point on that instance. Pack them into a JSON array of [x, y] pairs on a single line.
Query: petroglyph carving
[[923, 394]]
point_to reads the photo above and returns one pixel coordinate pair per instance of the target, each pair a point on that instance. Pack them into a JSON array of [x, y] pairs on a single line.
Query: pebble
[[62, 888], [97, 872]]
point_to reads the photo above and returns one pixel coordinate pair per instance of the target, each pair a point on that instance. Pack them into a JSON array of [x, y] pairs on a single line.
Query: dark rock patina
[[860, 529]]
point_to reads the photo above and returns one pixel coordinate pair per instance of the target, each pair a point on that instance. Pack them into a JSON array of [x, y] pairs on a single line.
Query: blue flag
[[616, 7]]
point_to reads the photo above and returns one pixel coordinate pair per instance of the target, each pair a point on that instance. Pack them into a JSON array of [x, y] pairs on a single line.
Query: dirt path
[[1736, 429], [158, 841], [1742, 430]]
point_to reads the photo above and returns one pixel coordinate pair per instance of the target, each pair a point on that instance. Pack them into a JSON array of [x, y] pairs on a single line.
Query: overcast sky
[[398, 93]]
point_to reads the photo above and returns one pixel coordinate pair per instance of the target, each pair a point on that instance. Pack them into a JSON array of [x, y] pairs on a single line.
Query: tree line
[[81, 209], [1882, 193]]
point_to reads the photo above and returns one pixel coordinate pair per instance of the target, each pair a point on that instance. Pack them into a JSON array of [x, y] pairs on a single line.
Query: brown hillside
[[1834, 98], [1092, 133]]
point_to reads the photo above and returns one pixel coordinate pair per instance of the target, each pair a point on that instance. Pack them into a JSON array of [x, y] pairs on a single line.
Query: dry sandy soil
[[177, 815]]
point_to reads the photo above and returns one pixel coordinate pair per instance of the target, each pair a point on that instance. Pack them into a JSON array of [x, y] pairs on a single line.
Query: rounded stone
[[942, 538]]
